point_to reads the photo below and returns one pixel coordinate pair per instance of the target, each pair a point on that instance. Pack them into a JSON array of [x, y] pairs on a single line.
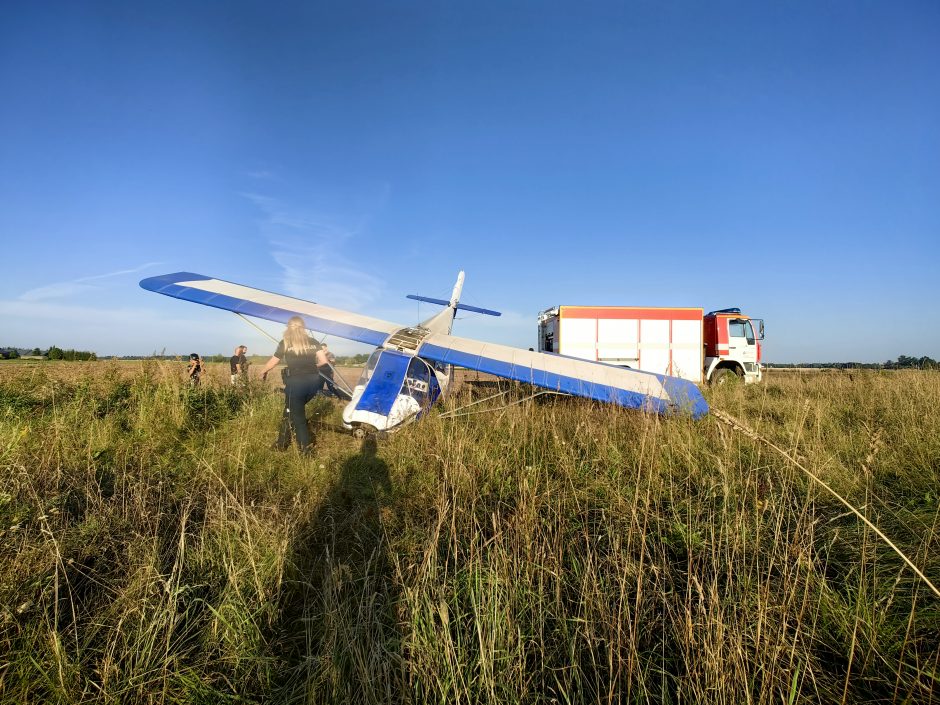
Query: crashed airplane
[[412, 366]]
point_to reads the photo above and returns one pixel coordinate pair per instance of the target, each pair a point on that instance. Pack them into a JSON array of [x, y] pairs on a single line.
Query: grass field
[[154, 548]]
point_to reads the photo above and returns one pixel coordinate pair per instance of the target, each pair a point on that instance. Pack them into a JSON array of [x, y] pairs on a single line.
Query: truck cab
[[732, 346]]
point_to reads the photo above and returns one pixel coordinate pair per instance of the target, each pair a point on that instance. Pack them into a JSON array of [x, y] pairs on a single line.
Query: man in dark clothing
[[238, 364], [325, 360]]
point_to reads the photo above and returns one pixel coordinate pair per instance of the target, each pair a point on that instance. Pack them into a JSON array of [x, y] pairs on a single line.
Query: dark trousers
[[298, 390]]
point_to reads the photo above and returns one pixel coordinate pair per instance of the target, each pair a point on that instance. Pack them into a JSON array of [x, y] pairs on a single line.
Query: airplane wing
[[582, 378], [273, 307]]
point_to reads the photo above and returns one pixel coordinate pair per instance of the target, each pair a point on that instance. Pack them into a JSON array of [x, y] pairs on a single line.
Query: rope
[[736, 425], [454, 415]]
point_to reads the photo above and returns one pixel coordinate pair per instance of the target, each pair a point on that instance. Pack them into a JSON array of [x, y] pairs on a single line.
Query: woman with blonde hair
[[301, 380]]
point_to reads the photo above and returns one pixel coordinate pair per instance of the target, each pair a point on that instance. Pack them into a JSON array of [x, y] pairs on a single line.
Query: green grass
[[154, 548]]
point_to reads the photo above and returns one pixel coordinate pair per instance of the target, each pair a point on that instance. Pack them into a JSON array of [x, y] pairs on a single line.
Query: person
[[301, 382], [245, 364], [195, 369], [238, 364], [325, 360]]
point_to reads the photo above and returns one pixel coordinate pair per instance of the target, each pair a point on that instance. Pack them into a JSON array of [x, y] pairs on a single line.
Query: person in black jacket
[[238, 364], [325, 360], [195, 369], [302, 380]]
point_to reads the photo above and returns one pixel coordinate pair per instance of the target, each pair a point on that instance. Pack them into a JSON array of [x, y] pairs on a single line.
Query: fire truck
[[713, 347]]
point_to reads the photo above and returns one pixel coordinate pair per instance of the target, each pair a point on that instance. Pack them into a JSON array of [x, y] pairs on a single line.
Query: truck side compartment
[[679, 342]]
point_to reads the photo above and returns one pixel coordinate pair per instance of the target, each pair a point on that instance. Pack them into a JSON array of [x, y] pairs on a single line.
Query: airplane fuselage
[[396, 386]]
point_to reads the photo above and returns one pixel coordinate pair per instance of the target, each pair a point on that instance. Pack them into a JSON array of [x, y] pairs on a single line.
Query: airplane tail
[[458, 288], [442, 322]]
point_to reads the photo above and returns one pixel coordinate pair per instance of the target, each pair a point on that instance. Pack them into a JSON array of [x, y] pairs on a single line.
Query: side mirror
[[760, 329]]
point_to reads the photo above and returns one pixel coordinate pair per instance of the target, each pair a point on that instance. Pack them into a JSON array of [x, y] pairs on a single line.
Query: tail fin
[[442, 322], [458, 287]]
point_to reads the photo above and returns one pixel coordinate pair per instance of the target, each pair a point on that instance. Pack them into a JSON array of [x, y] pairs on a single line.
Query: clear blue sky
[[784, 158]]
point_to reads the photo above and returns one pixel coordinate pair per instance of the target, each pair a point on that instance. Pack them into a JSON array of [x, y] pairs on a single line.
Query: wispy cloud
[[311, 250], [47, 311], [143, 324], [260, 174], [278, 214], [75, 287]]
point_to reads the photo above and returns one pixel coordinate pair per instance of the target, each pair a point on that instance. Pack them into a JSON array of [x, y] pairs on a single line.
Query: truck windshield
[[741, 328], [749, 332]]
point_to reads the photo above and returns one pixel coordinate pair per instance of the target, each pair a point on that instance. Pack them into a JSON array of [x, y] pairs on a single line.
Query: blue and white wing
[[582, 378], [273, 307]]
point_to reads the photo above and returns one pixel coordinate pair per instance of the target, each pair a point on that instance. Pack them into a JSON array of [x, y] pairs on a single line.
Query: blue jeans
[[298, 391]]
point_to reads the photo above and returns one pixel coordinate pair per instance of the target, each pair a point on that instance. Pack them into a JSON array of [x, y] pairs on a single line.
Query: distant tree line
[[345, 360], [57, 353], [352, 360], [174, 358], [904, 362], [53, 353]]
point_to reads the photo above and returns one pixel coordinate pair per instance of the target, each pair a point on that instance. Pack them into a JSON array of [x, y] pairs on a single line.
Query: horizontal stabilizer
[[460, 307]]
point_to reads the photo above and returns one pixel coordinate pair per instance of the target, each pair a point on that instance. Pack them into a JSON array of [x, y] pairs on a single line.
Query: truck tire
[[725, 375]]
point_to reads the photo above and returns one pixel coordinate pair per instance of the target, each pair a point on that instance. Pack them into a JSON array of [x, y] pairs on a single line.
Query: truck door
[[547, 327], [741, 342]]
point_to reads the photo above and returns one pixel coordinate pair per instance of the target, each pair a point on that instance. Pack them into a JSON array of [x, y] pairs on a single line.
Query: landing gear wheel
[[359, 433], [725, 376]]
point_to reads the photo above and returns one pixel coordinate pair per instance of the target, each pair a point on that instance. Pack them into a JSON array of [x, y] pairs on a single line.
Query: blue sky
[[783, 159]]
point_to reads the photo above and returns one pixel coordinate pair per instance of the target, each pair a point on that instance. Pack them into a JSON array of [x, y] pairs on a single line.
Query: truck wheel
[[725, 375]]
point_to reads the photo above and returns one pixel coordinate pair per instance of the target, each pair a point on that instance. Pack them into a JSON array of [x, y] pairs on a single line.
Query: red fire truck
[[681, 342]]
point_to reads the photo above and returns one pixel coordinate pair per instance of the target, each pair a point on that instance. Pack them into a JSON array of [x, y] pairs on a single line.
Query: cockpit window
[[369, 368], [417, 381]]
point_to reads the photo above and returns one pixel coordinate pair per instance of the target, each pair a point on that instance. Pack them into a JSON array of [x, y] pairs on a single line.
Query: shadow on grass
[[338, 634]]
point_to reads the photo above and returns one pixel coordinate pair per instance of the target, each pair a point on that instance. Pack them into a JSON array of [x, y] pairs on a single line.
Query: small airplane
[[412, 366]]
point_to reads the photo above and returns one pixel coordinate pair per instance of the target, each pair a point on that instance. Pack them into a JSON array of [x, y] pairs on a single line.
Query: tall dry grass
[[154, 548]]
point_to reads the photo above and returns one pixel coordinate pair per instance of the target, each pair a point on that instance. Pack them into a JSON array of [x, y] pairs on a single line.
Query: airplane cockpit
[[394, 388]]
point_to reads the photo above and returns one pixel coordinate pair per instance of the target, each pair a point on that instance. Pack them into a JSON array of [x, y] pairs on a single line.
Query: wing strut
[[336, 375], [256, 327]]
